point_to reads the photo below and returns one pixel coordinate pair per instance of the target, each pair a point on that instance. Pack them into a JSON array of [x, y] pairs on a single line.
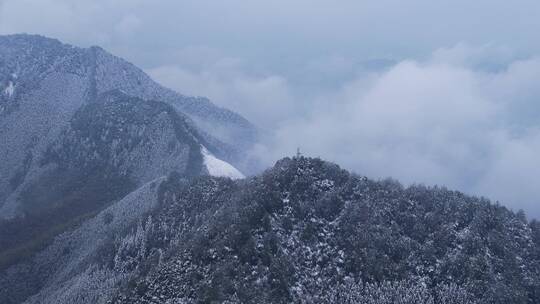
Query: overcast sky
[[437, 92]]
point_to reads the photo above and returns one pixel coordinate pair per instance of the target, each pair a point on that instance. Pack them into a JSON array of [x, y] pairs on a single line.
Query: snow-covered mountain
[[45, 84], [81, 129]]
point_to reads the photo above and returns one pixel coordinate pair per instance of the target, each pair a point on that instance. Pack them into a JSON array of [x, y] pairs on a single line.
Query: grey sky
[[441, 92]]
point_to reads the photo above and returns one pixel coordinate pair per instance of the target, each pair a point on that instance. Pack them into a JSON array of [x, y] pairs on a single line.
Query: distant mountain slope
[[305, 231], [80, 129], [110, 147], [26, 60], [43, 83]]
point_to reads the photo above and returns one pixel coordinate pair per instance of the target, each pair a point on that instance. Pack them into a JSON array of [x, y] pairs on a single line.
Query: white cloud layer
[[440, 121], [267, 101]]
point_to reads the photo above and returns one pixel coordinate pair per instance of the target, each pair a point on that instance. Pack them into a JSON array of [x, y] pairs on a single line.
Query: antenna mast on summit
[[298, 154]]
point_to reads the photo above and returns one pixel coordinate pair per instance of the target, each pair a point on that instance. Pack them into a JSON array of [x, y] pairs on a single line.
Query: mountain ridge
[[50, 81], [81, 129], [304, 231]]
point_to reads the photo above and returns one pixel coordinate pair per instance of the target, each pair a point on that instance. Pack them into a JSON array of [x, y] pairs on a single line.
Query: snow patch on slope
[[217, 167]]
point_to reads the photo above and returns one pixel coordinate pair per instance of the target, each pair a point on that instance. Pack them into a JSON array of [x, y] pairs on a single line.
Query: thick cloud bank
[[453, 119]]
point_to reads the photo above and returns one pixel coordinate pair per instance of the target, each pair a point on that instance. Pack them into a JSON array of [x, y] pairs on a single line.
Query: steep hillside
[[65, 271], [110, 147], [305, 231], [308, 232], [43, 83], [81, 128]]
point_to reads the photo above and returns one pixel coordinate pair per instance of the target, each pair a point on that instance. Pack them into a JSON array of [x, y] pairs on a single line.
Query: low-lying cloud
[[266, 101], [454, 119]]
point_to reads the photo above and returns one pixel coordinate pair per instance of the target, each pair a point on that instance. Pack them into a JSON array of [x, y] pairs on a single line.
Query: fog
[[426, 93]]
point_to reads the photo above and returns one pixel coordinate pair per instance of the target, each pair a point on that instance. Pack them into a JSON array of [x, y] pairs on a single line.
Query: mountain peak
[[29, 38], [32, 45]]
